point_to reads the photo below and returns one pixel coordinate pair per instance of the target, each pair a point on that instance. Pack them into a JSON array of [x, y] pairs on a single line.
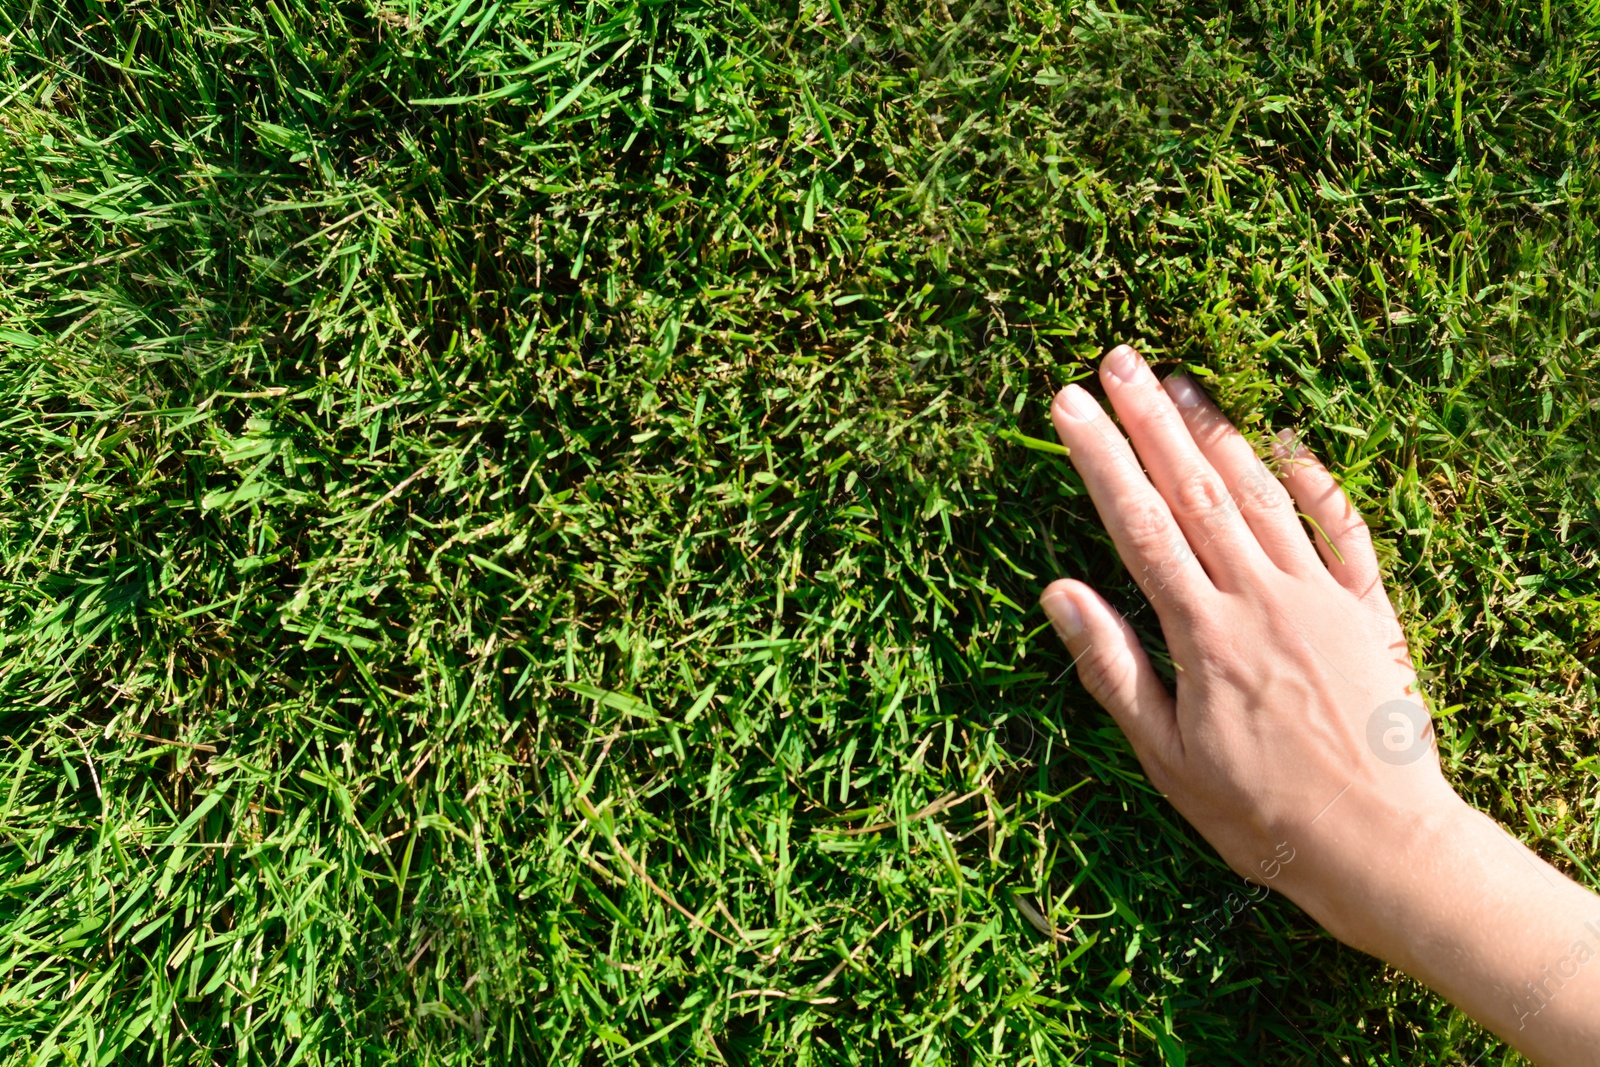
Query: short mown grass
[[520, 520]]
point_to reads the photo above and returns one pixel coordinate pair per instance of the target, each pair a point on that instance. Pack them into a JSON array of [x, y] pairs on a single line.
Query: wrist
[[1446, 895], [1380, 863]]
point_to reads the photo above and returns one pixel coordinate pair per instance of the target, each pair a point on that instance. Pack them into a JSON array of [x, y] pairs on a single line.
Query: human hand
[[1284, 659], [1297, 742]]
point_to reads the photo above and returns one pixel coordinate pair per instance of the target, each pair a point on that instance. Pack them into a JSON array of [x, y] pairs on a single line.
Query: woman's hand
[[1282, 660], [1297, 741]]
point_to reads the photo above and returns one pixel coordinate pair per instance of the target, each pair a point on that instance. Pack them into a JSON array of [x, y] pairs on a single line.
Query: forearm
[[1473, 914]]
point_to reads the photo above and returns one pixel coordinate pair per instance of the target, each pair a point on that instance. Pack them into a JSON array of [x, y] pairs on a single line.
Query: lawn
[[520, 520]]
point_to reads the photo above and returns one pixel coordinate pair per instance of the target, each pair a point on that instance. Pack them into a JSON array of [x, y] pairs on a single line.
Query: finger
[[1116, 671], [1340, 534], [1148, 540], [1261, 498], [1193, 490]]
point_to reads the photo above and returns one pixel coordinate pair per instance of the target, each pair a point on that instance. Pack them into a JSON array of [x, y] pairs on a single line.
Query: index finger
[[1141, 524]]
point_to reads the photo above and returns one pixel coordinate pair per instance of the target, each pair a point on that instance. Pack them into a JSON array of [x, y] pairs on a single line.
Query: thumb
[[1116, 671]]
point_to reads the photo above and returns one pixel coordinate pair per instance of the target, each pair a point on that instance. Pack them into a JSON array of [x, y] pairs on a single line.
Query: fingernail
[[1183, 391], [1064, 614], [1077, 403], [1124, 363], [1285, 444]]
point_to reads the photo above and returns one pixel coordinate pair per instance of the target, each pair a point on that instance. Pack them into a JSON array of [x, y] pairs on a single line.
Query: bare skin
[[1297, 728]]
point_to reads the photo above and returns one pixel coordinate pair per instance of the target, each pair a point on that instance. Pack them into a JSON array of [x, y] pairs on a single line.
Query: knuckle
[[1306, 476], [1150, 528], [1274, 498], [1261, 490], [1108, 678], [1151, 536], [1355, 531], [1198, 493]]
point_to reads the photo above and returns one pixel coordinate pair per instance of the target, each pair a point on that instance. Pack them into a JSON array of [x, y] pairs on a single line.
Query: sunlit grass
[[521, 520]]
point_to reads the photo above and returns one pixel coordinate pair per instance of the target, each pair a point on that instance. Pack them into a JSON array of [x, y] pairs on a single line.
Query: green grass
[[520, 521]]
